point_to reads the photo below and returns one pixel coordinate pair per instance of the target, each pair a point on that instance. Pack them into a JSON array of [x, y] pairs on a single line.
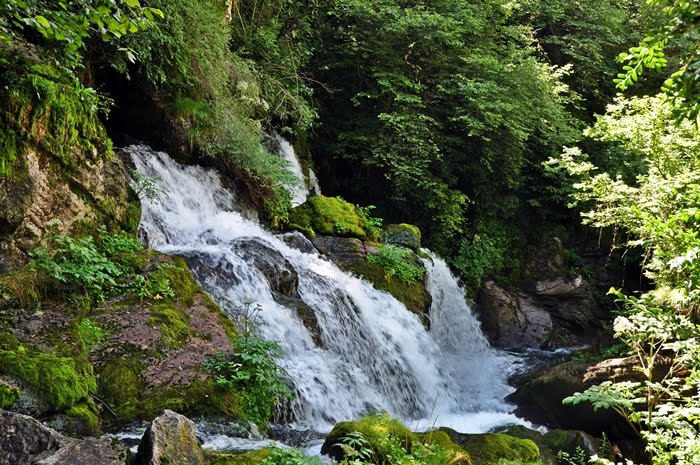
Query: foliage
[[665, 346], [67, 25], [99, 267], [398, 262], [90, 333], [679, 25], [438, 116], [289, 456], [658, 207], [251, 370]]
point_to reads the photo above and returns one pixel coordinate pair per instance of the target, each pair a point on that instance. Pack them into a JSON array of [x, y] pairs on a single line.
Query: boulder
[[375, 430], [350, 255], [170, 440], [489, 448], [404, 235], [512, 319], [278, 272], [25, 441], [540, 399], [297, 240], [331, 216]]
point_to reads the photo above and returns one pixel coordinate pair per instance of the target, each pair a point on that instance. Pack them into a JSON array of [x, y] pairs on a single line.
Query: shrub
[[397, 262], [252, 372]]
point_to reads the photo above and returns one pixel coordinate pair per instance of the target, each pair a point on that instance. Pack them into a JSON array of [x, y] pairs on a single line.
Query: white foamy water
[[369, 354], [300, 192]]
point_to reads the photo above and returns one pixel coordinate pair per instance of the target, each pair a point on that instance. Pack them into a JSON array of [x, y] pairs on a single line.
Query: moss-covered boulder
[[380, 435], [489, 448], [170, 439], [405, 235], [330, 216], [350, 254], [243, 458], [152, 356]]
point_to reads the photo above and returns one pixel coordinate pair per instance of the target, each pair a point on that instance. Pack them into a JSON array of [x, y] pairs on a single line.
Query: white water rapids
[[369, 354]]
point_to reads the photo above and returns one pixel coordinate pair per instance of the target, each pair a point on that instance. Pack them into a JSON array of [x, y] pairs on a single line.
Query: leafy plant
[[397, 262], [289, 456], [100, 267], [251, 371]]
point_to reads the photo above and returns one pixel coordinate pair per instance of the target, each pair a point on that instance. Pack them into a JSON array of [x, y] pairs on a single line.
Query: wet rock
[[512, 320], [297, 240], [278, 272], [540, 399], [306, 314], [404, 235], [170, 440], [344, 252], [25, 441], [570, 441]]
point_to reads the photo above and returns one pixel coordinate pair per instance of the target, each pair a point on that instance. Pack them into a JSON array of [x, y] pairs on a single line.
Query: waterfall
[[300, 192], [366, 352]]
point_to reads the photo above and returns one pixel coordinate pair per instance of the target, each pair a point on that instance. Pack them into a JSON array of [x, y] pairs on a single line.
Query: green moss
[[406, 235], [245, 458], [132, 218], [85, 414], [413, 294], [331, 216], [375, 429], [56, 114], [8, 396], [166, 313], [60, 381], [487, 449], [121, 387]]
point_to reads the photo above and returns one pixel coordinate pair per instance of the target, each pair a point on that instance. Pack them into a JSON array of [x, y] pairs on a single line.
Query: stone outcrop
[[170, 440], [25, 441], [540, 399], [39, 192], [550, 308]]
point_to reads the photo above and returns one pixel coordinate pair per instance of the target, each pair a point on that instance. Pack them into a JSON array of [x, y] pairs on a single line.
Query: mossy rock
[[405, 235], [8, 396], [376, 430], [413, 295], [61, 381], [331, 216], [244, 458], [490, 448]]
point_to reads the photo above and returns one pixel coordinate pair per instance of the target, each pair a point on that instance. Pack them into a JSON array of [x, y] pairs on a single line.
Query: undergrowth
[[398, 263]]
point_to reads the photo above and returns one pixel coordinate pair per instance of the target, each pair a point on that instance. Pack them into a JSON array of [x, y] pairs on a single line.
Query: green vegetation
[[100, 268], [8, 396], [331, 216], [252, 372], [397, 262], [490, 448], [378, 439]]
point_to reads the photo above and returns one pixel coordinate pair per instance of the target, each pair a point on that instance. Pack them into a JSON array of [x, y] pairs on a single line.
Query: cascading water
[[299, 192], [367, 351]]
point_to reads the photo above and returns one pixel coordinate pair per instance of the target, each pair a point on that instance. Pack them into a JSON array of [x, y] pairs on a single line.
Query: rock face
[[540, 399], [25, 441], [39, 193], [549, 309], [170, 440]]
